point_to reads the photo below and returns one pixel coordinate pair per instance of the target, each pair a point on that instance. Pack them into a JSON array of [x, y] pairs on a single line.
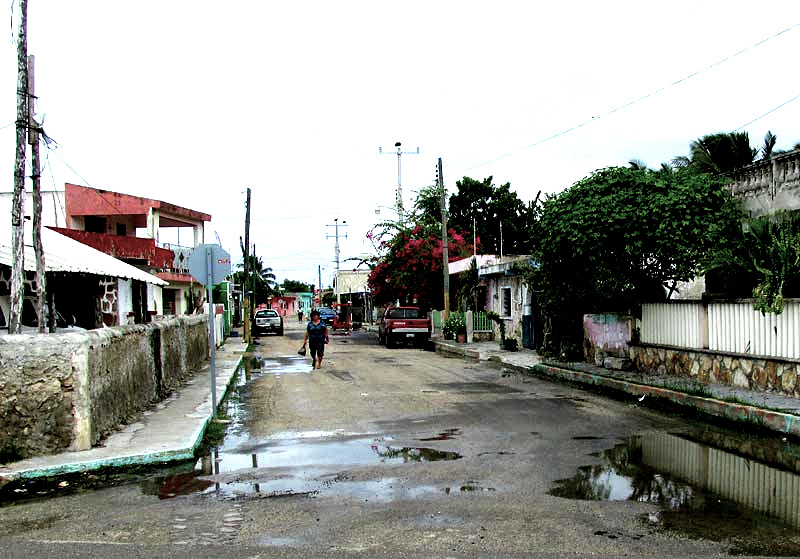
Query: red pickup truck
[[402, 324]]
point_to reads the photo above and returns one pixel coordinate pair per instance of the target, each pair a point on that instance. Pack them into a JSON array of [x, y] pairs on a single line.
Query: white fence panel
[[737, 328], [675, 324], [732, 327]]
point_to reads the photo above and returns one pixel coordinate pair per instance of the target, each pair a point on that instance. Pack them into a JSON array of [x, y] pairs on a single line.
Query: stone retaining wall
[[732, 369], [66, 391]]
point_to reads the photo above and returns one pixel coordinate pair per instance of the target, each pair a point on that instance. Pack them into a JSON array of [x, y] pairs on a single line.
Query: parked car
[[267, 320], [327, 315], [402, 324]]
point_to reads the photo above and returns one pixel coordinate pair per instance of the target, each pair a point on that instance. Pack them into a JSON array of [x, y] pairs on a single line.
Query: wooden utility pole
[[445, 256], [246, 282], [18, 202], [33, 140]]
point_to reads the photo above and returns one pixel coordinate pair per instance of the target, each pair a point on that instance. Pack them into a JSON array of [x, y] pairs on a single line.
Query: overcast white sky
[[191, 102]]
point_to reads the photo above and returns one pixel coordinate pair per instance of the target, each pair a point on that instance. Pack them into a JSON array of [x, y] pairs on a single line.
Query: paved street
[[388, 453]]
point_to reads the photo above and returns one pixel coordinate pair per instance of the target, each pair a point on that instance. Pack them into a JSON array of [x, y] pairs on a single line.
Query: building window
[[505, 293], [94, 224]]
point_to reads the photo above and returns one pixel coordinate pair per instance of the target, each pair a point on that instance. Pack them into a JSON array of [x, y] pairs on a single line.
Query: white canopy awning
[[62, 254]]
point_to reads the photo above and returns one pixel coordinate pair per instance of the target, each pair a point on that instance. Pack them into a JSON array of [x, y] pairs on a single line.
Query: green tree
[[262, 279], [623, 236], [485, 207], [292, 286], [721, 153], [762, 260]]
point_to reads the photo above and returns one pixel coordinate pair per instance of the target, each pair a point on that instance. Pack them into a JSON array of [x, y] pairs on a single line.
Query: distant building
[[350, 287]]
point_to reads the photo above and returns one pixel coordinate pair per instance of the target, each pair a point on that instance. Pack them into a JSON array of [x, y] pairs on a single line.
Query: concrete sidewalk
[[170, 432], [771, 410]]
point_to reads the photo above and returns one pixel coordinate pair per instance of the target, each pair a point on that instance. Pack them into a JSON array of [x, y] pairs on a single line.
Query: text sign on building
[[210, 264]]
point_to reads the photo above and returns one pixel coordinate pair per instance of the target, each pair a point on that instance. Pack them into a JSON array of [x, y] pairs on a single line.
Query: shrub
[[454, 325]]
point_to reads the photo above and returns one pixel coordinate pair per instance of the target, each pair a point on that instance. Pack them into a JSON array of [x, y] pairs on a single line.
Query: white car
[[267, 320]]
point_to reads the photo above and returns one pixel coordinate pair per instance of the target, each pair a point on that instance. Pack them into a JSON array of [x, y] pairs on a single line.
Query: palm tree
[[262, 280], [769, 145], [722, 153]]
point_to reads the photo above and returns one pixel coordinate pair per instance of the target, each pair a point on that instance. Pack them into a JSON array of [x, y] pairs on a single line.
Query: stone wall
[[733, 369], [767, 186], [38, 391], [66, 391]]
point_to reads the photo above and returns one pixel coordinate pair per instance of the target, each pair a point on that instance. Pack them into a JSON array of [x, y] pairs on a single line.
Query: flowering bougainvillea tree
[[411, 270]]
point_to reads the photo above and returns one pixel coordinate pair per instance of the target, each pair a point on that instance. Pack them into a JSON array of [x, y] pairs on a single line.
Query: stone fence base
[[66, 391], [732, 369]]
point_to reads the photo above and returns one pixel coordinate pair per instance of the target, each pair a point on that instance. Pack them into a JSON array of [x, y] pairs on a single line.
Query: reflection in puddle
[[270, 468], [702, 491], [282, 364], [445, 435]]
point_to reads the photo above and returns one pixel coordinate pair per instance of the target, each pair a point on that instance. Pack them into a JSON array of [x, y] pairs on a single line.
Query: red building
[[109, 221]]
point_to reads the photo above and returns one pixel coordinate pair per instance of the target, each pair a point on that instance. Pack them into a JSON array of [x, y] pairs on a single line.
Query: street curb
[[774, 420], [121, 461], [442, 347]]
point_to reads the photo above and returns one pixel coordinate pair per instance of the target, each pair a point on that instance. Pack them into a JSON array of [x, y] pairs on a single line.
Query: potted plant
[[461, 334], [453, 326]]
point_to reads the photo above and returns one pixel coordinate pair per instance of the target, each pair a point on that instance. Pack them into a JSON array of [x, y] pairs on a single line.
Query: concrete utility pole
[[445, 255], [319, 274], [336, 224], [399, 194], [33, 140], [18, 201], [246, 283]]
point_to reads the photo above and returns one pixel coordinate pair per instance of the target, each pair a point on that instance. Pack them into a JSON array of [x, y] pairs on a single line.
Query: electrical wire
[[768, 112], [657, 91]]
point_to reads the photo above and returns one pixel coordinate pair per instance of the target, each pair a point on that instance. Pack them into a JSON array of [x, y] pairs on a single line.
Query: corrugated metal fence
[[733, 327]]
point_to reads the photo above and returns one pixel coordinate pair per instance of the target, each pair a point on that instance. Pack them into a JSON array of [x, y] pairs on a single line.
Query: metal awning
[[62, 254]]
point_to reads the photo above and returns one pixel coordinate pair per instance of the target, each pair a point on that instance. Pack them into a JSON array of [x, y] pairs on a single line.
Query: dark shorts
[[316, 349]]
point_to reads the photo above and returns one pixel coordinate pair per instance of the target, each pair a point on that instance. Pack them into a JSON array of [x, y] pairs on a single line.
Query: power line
[[768, 112], [594, 119], [70, 168]]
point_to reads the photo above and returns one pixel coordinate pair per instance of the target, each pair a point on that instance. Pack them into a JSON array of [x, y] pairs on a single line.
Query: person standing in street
[[316, 337]]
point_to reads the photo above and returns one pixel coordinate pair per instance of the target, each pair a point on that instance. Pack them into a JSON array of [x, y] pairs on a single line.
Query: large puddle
[[703, 491], [294, 463]]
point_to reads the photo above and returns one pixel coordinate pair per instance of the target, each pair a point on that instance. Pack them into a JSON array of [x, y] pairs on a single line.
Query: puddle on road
[[445, 435], [703, 492], [267, 468], [279, 364]]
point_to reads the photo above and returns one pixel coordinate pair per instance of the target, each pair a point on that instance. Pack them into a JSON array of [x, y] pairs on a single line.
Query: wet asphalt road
[[381, 453]]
